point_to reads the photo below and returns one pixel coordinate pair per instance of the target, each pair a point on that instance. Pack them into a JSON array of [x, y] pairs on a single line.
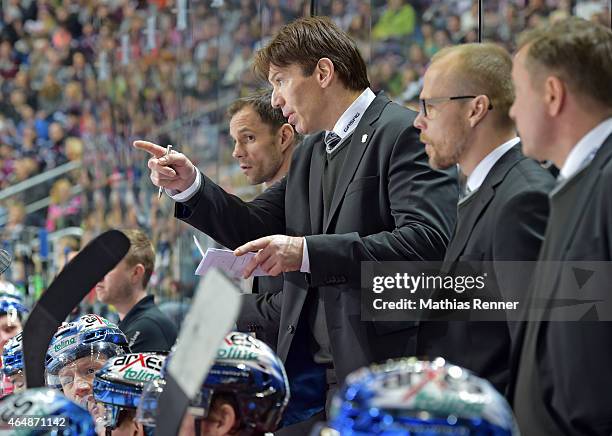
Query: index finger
[[254, 245], [153, 149]]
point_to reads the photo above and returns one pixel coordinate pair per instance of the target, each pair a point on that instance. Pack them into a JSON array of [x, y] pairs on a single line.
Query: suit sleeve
[[423, 205], [231, 221], [260, 312]]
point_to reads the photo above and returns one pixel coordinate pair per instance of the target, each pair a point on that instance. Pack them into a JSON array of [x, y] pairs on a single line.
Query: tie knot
[[331, 141]]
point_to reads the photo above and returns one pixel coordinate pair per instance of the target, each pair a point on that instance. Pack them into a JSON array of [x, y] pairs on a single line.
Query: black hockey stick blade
[[73, 283], [5, 260]]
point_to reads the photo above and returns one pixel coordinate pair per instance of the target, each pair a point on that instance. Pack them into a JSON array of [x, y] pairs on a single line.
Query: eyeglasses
[[427, 104]]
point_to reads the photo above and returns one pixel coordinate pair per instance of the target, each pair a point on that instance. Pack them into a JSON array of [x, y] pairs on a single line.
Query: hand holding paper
[[225, 260], [275, 254]]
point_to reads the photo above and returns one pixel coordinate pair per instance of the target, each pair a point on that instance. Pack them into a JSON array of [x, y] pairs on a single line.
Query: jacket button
[[291, 328]]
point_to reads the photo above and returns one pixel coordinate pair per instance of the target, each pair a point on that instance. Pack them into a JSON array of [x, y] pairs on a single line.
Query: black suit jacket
[[265, 285], [388, 205], [563, 372], [504, 220]]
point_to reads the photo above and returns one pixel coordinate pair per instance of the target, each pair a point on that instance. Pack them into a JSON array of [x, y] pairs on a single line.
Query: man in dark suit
[[263, 146], [360, 191], [563, 111], [467, 92]]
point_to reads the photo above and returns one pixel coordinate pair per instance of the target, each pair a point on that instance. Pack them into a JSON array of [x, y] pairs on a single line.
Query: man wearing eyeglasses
[[464, 121]]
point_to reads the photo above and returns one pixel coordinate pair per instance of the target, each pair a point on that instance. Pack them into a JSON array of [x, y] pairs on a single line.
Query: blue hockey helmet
[[11, 301], [118, 385], [12, 366], [409, 397], [89, 336], [12, 355], [44, 412], [245, 370]]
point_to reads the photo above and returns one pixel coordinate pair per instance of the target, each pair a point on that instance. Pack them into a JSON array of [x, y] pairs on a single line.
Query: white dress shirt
[[474, 180], [584, 151], [350, 118]]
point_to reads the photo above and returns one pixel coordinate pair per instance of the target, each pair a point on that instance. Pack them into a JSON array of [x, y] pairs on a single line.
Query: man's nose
[[238, 151], [82, 385], [419, 121], [277, 100]]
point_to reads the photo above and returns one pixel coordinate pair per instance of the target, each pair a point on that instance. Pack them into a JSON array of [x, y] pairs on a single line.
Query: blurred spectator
[[16, 216], [453, 25], [397, 20], [64, 210], [8, 61]]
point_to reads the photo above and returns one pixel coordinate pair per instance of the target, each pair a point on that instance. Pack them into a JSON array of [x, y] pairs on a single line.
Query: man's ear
[[555, 93], [325, 72], [285, 136], [479, 107], [226, 419], [137, 273]]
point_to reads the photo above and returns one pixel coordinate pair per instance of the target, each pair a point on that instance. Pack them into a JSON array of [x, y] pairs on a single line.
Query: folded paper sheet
[[224, 260]]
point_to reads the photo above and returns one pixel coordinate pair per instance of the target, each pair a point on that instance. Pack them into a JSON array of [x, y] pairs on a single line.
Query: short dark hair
[[305, 41], [578, 51], [141, 251], [261, 102]]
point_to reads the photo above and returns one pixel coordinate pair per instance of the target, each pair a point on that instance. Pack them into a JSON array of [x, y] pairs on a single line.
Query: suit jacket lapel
[[604, 154], [470, 212], [356, 149], [315, 189], [467, 216]]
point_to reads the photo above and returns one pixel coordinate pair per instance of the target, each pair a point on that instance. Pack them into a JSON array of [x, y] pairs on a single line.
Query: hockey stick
[[212, 315], [77, 278]]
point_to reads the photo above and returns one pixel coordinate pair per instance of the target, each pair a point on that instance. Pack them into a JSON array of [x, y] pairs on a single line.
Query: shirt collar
[[475, 180], [584, 151], [350, 118]]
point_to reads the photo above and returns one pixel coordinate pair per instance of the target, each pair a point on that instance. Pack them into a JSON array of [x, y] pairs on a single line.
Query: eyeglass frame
[[424, 101]]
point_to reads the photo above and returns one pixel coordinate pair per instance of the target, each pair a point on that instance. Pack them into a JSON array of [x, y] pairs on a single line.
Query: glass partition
[[81, 80]]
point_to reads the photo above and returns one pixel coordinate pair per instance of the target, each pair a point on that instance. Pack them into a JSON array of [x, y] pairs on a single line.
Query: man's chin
[[436, 163], [533, 152], [101, 296], [432, 161]]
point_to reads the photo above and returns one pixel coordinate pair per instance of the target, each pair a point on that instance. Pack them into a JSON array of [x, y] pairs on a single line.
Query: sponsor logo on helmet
[[139, 375], [241, 340], [145, 361], [63, 344], [236, 353], [91, 320]]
